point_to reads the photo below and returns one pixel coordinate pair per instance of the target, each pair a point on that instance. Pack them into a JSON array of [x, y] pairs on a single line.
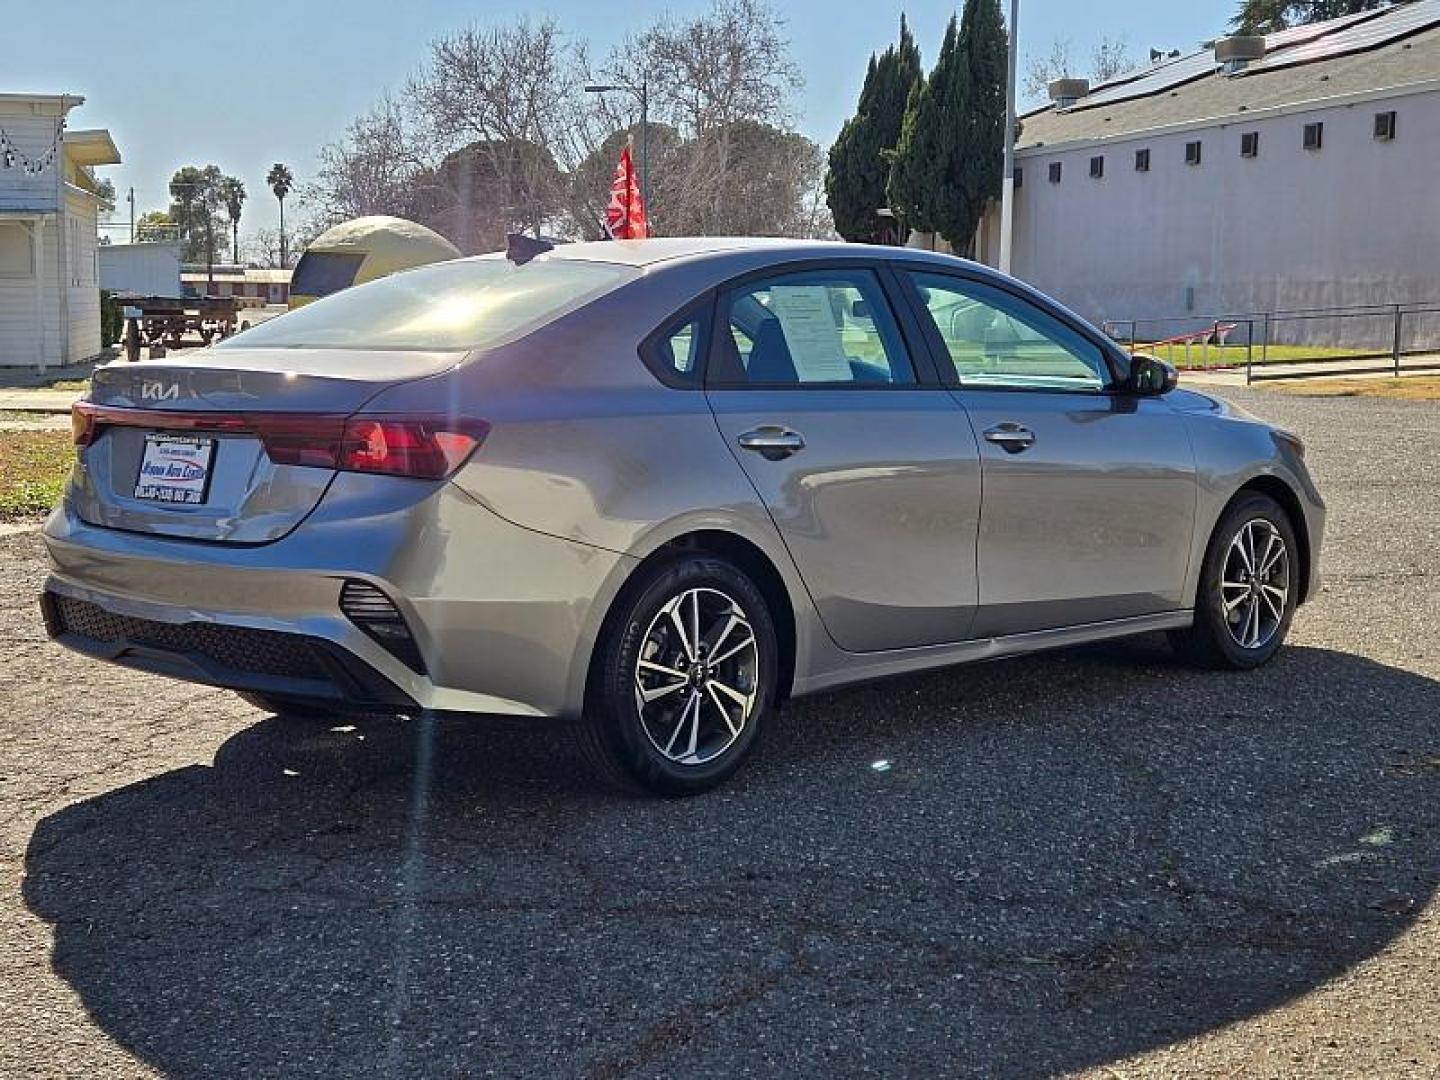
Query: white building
[[1303, 173], [49, 290], [148, 269]]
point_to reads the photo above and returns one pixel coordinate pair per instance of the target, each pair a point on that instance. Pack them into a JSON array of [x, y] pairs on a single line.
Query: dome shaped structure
[[361, 250]]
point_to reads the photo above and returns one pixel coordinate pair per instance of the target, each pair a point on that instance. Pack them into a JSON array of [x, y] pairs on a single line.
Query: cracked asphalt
[[1094, 862]]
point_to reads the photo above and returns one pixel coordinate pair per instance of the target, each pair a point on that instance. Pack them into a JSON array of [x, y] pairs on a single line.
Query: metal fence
[[1390, 339]]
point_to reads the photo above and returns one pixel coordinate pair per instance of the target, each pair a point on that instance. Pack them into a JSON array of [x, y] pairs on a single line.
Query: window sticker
[[811, 333]]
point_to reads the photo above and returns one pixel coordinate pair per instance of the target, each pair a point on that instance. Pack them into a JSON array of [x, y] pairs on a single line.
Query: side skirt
[[861, 667]]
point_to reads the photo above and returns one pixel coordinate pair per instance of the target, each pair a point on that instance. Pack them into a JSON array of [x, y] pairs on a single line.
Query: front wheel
[[683, 679], [1249, 587]]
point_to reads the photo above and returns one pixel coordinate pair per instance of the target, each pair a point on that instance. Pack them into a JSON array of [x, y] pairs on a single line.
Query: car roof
[[648, 253]]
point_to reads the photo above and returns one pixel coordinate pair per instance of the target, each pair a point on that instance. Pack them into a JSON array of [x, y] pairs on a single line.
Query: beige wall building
[[1305, 176]]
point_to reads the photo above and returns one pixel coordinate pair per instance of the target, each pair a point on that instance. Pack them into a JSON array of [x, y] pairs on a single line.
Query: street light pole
[[642, 94], [1007, 184]]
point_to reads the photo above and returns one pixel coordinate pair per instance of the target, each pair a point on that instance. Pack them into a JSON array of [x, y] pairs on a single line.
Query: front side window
[[814, 327], [461, 304], [997, 339]]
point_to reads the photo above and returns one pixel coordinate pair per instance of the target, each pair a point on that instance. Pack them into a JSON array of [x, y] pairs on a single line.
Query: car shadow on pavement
[[1017, 869]]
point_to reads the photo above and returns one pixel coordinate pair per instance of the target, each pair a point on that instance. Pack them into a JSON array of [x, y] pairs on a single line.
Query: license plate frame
[[180, 469]]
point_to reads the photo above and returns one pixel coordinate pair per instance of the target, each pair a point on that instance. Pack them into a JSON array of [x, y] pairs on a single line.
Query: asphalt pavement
[[1095, 862]]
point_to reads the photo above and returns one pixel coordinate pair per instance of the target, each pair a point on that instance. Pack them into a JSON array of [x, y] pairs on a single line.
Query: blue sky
[[275, 81]]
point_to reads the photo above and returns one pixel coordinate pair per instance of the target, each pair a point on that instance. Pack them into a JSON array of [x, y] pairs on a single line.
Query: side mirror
[[1150, 376]]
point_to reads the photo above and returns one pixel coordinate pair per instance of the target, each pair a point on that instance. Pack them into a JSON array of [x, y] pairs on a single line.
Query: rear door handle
[[1010, 436], [772, 442]]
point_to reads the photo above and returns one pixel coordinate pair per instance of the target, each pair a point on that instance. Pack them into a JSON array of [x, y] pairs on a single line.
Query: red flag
[[625, 216]]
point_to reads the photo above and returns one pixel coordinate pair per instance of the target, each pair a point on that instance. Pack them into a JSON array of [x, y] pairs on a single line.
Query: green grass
[[34, 466], [1233, 355]]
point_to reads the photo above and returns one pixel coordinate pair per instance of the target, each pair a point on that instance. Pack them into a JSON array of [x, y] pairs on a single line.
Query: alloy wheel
[[1255, 583], [697, 676]]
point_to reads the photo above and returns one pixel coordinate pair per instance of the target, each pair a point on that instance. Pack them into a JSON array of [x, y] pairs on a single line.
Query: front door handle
[[1010, 436], [772, 442]]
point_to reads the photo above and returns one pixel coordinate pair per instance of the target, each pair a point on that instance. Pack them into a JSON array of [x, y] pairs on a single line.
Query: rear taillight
[[430, 447], [408, 446], [82, 424]]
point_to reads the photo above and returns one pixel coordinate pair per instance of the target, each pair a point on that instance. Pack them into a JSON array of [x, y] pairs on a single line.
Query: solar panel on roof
[[1399, 21], [1295, 45]]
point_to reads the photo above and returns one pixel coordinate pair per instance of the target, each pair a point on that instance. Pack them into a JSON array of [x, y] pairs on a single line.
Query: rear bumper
[[504, 618], [239, 658]]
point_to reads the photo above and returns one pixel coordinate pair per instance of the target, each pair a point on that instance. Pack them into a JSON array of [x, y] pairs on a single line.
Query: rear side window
[[320, 273], [675, 352], [462, 304], [816, 327]]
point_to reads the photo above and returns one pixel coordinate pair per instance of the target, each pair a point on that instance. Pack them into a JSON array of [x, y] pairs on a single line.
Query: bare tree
[[1110, 57], [1041, 71], [495, 132], [371, 169]]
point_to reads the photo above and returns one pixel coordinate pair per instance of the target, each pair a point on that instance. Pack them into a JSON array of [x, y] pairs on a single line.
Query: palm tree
[[232, 194], [281, 180]]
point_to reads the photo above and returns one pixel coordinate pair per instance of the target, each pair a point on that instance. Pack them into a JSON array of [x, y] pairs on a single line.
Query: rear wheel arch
[[747, 557]]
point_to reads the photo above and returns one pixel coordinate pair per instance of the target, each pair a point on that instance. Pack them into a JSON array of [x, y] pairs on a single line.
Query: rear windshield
[[464, 304], [320, 273]]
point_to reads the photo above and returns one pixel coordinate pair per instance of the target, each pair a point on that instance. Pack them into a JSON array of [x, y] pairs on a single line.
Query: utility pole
[[131, 198], [1007, 184]]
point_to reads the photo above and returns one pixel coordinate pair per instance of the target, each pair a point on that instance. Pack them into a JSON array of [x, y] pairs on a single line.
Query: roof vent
[[1235, 53], [1066, 92]]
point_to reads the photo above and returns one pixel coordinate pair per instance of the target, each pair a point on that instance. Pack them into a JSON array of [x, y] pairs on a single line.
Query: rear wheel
[[1249, 587], [683, 679]]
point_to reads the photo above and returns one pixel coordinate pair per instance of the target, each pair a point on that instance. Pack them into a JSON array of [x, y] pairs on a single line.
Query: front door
[[872, 480], [1089, 503]]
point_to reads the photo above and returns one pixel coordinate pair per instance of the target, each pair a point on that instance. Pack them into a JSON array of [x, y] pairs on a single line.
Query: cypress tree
[[921, 159], [950, 157], [859, 161]]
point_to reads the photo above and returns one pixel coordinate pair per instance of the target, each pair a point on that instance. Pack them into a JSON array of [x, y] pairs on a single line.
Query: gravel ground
[[1094, 862]]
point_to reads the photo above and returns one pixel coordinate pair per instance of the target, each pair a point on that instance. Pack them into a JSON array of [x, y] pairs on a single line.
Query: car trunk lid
[[178, 448]]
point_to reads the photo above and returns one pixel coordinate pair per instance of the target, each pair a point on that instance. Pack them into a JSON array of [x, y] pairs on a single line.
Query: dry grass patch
[[1405, 388]]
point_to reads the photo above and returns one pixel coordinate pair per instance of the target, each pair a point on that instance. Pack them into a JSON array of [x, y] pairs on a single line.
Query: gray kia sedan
[[649, 490]]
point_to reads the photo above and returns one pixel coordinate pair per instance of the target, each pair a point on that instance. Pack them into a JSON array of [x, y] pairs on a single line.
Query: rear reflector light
[[430, 447]]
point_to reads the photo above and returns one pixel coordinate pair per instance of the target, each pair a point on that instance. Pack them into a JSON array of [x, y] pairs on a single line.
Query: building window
[[1019, 177], [17, 257], [1192, 153], [1385, 126], [1142, 160], [1250, 144], [1314, 135], [1054, 172], [1097, 167]]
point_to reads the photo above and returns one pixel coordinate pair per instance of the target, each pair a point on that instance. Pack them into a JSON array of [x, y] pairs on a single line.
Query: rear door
[[1089, 501], [870, 473]]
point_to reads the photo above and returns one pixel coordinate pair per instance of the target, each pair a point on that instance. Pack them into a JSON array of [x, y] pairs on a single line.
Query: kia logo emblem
[[159, 391]]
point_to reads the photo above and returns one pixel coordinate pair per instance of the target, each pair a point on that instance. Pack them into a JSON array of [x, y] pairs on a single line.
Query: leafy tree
[[1269, 16], [949, 160], [859, 163], [195, 207], [155, 226], [280, 180], [232, 195]]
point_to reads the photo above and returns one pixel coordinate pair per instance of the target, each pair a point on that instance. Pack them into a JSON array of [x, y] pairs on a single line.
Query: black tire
[[1212, 640], [293, 710], [622, 747]]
